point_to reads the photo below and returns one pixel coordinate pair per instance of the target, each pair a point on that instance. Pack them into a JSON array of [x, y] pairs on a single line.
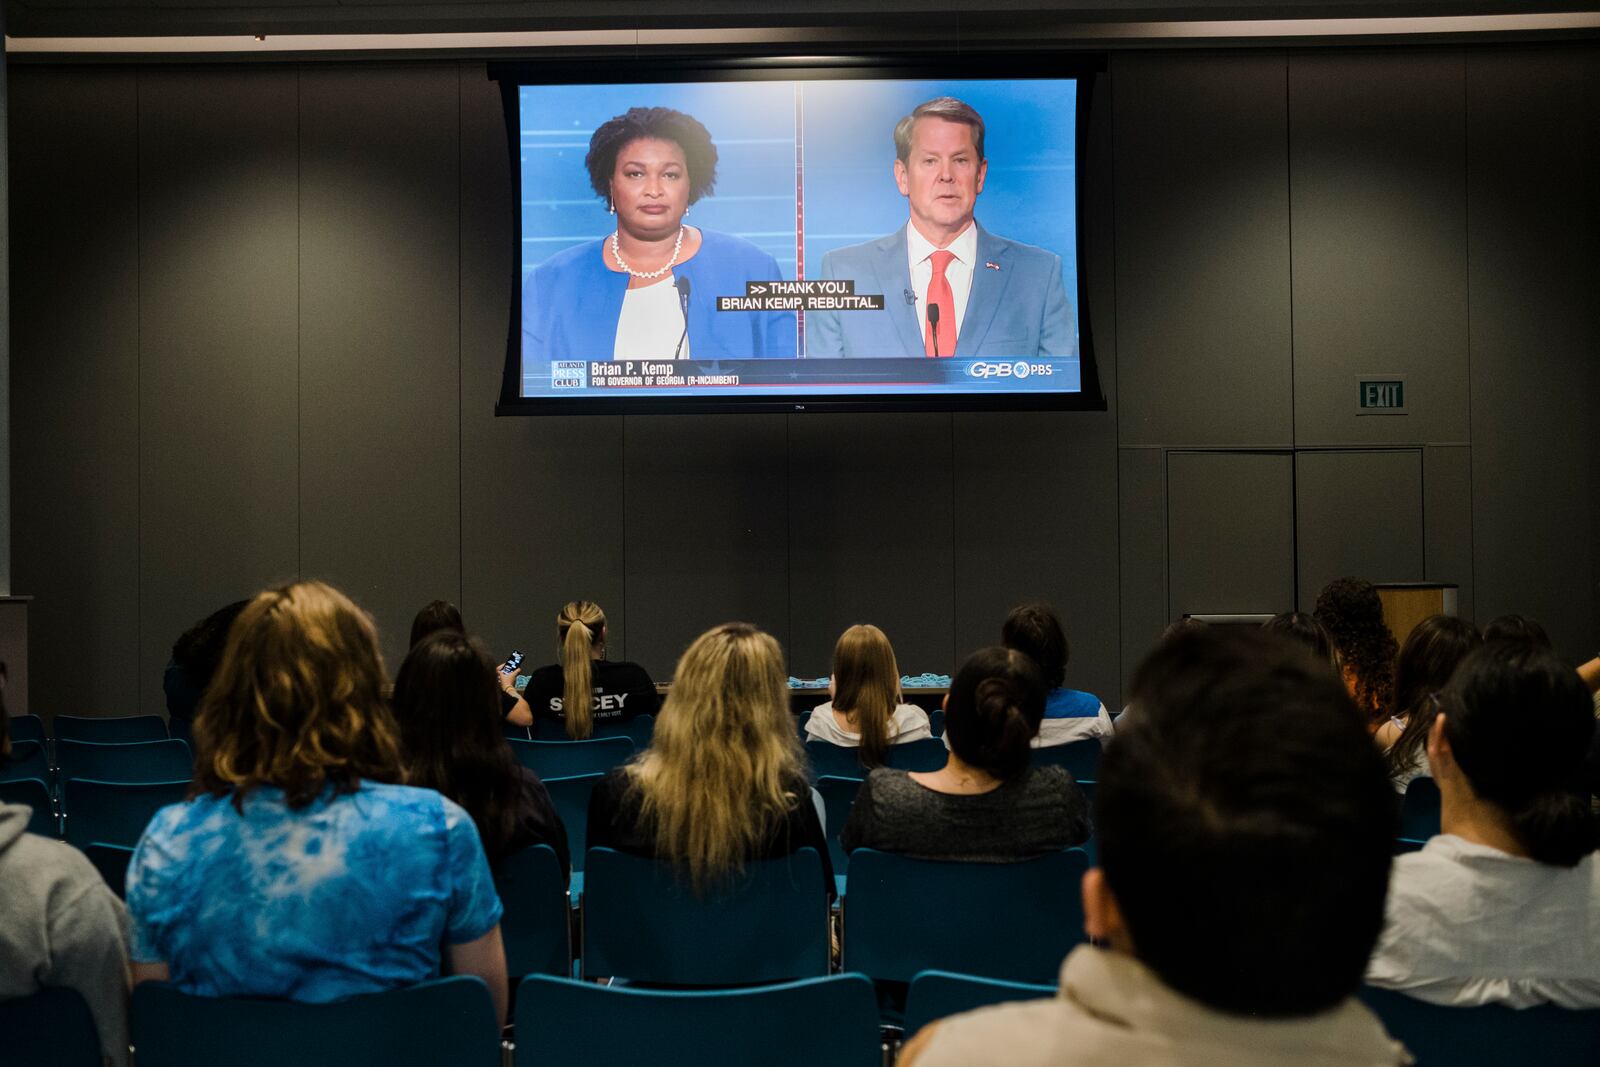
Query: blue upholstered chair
[[838, 796], [27, 760], [36, 794], [109, 731], [937, 994], [638, 729], [566, 759], [1488, 1036], [112, 863], [925, 755], [537, 933], [26, 728], [135, 761], [1012, 921], [1419, 810], [50, 1028], [642, 921], [1082, 758], [447, 1022], [834, 761], [817, 1022], [571, 798], [114, 813]]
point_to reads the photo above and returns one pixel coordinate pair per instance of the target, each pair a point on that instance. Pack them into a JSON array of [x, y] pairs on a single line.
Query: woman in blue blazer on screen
[[649, 289]]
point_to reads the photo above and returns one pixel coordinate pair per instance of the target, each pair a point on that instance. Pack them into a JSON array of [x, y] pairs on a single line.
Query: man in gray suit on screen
[[950, 287]]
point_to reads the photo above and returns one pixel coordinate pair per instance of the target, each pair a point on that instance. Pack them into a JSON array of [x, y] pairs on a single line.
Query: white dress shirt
[[958, 273], [1468, 924]]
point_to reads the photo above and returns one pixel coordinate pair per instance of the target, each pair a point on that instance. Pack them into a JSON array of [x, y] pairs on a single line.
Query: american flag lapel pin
[[991, 264]]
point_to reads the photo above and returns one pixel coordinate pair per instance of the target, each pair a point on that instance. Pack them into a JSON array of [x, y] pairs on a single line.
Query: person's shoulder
[[1017, 1034], [626, 668], [730, 249], [44, 859], [1020, 252], [887, 783], [874, 248], [586, 255], [389, 799], [548, 675]]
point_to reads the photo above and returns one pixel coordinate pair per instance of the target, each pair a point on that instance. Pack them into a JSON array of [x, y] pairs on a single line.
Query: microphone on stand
[[681, 284], [933, 327]]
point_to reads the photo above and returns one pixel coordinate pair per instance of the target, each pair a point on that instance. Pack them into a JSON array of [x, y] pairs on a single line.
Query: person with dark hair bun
[[1504, 905], [435, 615], [1515, 627], [649, 289], [1433, 649], [1035, 630], [988, 803], [1307, 630], [1353, 614]]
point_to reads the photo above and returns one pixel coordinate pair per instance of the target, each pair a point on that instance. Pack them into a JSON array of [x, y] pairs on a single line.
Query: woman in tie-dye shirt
[[300, 869]]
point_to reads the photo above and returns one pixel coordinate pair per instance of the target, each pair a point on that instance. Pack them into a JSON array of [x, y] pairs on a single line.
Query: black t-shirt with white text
[[622, 691]]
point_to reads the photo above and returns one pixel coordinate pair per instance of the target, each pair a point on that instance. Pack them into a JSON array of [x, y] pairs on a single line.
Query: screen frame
[[604, 69]]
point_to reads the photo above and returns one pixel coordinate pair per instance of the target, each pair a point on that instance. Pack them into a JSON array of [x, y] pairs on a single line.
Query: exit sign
[[1381, 396]]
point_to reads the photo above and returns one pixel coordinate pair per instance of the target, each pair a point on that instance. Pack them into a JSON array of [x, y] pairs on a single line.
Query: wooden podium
[[1407, 603]]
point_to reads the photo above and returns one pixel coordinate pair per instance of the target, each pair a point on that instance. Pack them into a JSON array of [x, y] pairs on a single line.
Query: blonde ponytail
[[576, 627]]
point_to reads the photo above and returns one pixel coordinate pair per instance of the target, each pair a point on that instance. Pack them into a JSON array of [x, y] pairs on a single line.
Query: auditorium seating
[[1031, 916], [925, 755], [639, 730], [937, 994], [447, 1022], [109, 731], [36, 794], [838, 796], [115, 813], [50, 1028], [1082, 758], [834, 761], [112, 863], [1488, 1036], [27, 760], [571, 799], [565, 759], [26, 728], [819, 1021], [533, 890], [166, 760], [642, 922]]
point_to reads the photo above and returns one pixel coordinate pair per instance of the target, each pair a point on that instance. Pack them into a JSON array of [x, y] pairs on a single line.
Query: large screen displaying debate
[[816, 239]]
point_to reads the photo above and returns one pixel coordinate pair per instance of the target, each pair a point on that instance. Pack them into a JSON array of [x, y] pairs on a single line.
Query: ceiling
[[667, 22]]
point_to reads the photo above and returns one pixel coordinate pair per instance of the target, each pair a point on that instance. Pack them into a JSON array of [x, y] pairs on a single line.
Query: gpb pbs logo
[[1020, 369]]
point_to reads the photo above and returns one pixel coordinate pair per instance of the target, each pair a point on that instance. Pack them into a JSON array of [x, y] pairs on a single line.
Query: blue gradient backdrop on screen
[[805, 168]]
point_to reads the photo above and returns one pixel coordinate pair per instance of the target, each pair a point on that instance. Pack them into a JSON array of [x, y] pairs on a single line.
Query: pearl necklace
[[677, 246]]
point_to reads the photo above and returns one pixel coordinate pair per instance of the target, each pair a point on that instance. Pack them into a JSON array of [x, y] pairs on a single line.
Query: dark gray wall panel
[[1447, 520], [1378, 201], [1019, 538], [1202, 257], [218, 347], [1358, 513], [1535, 327], [540, 497], [75, 414], [380, 489], [870, 532], [1142, 550], [705, 528], [1230, 532]]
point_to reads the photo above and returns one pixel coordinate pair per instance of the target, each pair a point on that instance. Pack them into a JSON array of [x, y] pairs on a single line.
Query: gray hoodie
[[61, 925]]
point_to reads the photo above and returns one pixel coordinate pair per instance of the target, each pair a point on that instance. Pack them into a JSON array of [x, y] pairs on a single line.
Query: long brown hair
[[447, 701], [297, 701], [725, 765], [579, 627], [866, 687], [1433, 650]]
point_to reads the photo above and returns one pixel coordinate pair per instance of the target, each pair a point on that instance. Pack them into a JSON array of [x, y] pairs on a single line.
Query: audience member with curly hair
[[1350, 609]]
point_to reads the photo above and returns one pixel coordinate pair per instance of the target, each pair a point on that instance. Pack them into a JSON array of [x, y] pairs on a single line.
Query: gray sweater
[[1042, 811], [61, 925]]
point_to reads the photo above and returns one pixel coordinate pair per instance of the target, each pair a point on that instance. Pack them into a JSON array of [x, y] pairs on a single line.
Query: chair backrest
[[936, 722], [134, 761], [831, 1021], [838, 797], [1492, 1034], [1419, 810], [109, 731], [50, 1028], [571, 798], [533, 890], [25, 728], [441, 1023], [929, 754], [937, 994], [642, 921], [1013, 921], [27, 760], [112, 863], [114, 813], [829, 760], [36, 794], [639, 729], [566, 759], [1082, 758]]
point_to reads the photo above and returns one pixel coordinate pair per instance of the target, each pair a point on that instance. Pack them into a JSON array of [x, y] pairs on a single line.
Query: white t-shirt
[[651, 323], [1468, 924], [909, 723]]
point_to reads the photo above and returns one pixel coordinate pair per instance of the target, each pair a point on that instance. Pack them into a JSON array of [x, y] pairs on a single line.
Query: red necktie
[[940, 296]]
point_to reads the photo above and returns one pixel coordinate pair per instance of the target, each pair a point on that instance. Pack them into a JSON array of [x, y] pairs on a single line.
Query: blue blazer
[[571, 303], [1019, 309]]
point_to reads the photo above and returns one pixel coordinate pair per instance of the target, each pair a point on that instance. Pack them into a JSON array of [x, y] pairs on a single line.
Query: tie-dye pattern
[[352, 894]]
